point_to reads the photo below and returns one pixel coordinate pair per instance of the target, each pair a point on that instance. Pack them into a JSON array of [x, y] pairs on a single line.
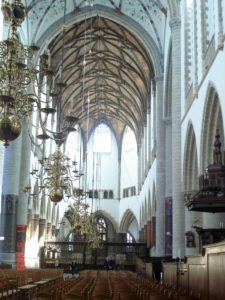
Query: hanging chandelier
[[23, 84], [53, 103], [56, 177], [17, 72], [82, 221], [64, 124]]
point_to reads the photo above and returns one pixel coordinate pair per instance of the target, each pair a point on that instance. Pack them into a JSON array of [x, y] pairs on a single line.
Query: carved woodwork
[[211, 194], [209, 236], [84, 255]]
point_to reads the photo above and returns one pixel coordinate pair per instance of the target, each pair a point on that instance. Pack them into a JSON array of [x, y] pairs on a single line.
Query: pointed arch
[[190, 167], [106, 225], [129, 161], [212, 120], [106, 123], [126, 220], [106, 215]]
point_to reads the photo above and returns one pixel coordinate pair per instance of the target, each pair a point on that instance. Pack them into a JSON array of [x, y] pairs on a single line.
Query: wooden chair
[[158, 297], [187, 297], [128, 296]]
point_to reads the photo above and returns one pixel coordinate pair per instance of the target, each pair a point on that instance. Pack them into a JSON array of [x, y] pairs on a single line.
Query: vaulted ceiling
[[106, 68], [107, 74]]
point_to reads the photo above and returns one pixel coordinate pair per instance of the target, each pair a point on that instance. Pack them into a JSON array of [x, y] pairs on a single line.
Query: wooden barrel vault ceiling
[[107, 72]]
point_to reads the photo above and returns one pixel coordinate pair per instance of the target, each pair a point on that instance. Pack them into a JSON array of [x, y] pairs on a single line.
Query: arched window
[[105, 195], [110, 194], [102, 139], [130, 238], [71, 239], [102, 229], [129, 140], [90, 194], [96, 194]]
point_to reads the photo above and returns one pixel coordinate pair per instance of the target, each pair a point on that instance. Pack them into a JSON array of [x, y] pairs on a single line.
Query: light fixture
[[22, 82], [53, 103], [57, 172], [82, 221], [56, 177], [17, 73]]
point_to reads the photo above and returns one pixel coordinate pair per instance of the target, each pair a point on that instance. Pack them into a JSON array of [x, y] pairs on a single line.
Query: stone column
[[160, 170], [36, 226], [24, 178], [29, 225], [145, 233], [178, 202], [146, 149], [168, 157], [139, 167], [2, 150], [141, 162], [57, 232], [23, 197], [53, 231], [9, 201], [119, 192], [168, 187], [42, 229], [142, 234], [139, 236], [49, 230], [149, 234], [196, 35], [143, 156], [203, 28], [154, 137], [149, 138], [220, 24]]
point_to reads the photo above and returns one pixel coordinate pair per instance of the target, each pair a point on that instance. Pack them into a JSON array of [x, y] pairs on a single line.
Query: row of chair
[[57, 290], [103, 285], [91, 285], [24, 285], [153, 290]]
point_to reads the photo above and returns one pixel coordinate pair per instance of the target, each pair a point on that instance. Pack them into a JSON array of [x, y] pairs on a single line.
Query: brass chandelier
[[23, 83], [82, 221], [56, 176], [17, 73], [57, 172]]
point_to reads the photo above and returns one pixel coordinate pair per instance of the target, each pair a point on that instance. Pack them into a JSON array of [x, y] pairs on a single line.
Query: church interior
[[112, 152]]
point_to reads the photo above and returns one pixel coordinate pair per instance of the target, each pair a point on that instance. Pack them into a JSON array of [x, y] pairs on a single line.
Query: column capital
[[175, 23]]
